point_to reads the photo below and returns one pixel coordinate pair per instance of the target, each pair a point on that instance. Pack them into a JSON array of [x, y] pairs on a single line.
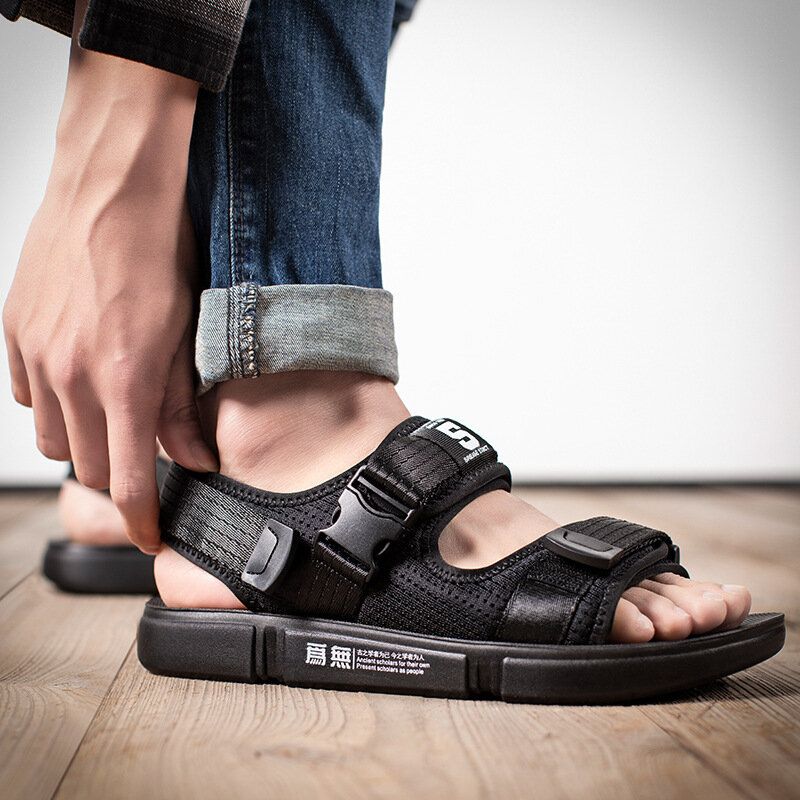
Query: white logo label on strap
[[451, 429]]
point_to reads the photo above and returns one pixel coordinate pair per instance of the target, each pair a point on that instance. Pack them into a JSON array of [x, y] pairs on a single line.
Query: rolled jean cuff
[[249, 330]]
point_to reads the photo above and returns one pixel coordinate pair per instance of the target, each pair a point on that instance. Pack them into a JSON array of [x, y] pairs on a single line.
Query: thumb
[[179, 429]]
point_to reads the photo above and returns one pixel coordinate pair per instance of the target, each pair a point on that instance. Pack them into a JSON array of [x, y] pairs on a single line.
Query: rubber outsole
[[247, 647], [95, 569]]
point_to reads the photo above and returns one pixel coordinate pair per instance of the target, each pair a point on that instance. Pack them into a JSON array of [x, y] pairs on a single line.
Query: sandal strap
[[421, 469], [569, 594], [402, 482], [407, 479]]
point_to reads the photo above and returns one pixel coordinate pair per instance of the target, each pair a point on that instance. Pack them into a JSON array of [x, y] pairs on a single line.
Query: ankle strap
[[423, 468]]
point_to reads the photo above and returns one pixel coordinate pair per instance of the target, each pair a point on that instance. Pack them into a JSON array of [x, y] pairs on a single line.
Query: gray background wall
[[591, 224]]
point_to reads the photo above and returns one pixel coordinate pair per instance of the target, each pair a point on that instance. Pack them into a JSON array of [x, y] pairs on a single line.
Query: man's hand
[[99, 319]]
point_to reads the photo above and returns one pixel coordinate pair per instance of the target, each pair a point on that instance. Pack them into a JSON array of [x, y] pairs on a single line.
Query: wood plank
[[198, 739], [745, 727], [782, 504], [22, 543], [13, 502], [58, 657]]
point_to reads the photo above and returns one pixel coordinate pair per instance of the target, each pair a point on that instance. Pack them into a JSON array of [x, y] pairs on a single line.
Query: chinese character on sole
[[315, 654], [342, 657]]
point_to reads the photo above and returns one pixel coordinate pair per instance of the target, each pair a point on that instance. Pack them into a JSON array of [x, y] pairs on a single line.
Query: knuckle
[[51, 448], [69, 374], [10, 316], [128, 494], [127, 387], [124, 365], [33, 355], [9, 323], [92, 477], [21, 395], [180, 413]]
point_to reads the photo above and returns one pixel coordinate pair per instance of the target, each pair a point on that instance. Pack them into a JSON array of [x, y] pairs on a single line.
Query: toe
[[669, 621], [737, 598], [630, 625], [706, 607]]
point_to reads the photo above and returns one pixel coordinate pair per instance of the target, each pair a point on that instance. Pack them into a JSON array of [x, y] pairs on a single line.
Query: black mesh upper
[[216, 522]]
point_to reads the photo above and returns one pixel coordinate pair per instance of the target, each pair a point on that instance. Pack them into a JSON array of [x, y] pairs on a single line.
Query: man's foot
[[89, 517], [291, 431]]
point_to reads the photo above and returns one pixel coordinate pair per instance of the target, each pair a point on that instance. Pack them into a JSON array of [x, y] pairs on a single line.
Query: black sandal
[[101, 569], [347, 590]]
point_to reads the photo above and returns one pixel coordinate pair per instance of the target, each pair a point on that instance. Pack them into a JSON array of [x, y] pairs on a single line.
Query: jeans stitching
[[231, 205], [248, 344], [232, 341]]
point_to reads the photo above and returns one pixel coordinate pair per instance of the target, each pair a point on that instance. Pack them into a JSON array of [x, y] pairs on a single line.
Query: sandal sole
[[248, 647], [97, 569]]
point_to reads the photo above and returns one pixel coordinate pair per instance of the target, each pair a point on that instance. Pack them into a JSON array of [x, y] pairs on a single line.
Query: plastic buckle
[[271, 556], [360, 530], [583, 549]]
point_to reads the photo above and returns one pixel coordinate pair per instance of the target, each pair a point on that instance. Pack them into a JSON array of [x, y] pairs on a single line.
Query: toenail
[[713, 596], [732, 587], [680, 612]]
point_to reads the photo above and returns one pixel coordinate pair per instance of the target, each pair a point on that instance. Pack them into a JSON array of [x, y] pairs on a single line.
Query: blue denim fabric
[[284, 176], [285, 161]]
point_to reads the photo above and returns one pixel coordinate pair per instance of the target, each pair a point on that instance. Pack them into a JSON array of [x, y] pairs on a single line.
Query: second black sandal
[[101, 569], [346, 589]]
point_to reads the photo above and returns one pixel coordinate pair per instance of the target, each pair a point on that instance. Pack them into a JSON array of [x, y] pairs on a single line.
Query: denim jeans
[[283, 189]]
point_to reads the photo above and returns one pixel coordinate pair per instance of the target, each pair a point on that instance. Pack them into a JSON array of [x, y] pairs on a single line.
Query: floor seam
[[16, 585], [64, 774]]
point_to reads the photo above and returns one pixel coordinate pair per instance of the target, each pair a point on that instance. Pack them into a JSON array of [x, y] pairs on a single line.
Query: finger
[[179, 429], [630, 625], [86, 428], [670, 621], [132, 455], [706, 607], [20, 388], [51, 433]]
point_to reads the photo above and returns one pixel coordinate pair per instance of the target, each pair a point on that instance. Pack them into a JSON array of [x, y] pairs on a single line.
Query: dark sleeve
[[193, 38]]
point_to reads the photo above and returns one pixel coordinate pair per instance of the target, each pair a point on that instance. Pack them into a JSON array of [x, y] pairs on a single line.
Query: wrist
[[120, 129], [121, 111], [123, 136]]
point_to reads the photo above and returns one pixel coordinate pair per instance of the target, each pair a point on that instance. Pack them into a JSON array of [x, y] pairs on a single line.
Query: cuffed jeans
[[283, 189]]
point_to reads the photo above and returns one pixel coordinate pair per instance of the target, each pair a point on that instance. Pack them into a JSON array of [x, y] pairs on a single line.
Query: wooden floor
[[80, 718]]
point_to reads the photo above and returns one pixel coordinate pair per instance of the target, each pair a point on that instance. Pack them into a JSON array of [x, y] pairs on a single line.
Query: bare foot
[[88, 516], [291, 431]]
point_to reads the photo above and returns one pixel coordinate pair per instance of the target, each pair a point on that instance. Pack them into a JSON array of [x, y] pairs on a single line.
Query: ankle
[[289, 431]]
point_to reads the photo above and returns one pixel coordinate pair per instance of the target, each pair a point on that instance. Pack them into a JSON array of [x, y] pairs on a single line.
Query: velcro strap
[[569, 593]]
